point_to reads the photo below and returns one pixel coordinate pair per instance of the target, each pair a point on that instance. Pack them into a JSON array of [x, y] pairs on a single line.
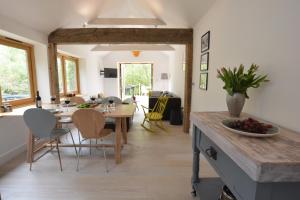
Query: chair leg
[[77, 169], [104, 154], [58, 154], [31, 157], [78, 135], [145, 127], [73, 142], [90, 147], [160, 125]]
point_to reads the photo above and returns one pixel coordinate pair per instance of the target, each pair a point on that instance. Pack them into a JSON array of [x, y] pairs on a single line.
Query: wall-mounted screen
[[110, 73]]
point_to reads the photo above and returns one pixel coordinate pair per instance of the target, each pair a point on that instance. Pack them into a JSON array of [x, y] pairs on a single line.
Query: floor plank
[[155, 166]]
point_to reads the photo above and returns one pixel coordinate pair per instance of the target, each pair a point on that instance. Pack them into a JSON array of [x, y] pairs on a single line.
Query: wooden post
[[53, 71], [188, 86]]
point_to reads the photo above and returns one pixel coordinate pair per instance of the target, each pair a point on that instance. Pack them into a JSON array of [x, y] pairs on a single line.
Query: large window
[[68, 74], [16, 72]]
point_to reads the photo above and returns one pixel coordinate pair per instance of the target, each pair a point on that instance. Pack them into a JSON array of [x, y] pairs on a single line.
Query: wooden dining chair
[[67, 121], [77, 100], [42, 124], [90, 123]]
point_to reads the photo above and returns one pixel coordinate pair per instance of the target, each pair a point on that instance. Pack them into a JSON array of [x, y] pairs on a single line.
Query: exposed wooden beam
[[188, 86], [121, 36], [53, 71], [133, 47], [127, 21]]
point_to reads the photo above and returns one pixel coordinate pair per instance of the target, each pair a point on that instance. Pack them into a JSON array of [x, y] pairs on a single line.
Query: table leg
[[196, 160], [124, 130], [30, 145], [118, 140]]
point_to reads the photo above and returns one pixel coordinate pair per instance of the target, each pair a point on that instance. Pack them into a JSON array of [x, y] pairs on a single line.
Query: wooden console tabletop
[[275, 159]]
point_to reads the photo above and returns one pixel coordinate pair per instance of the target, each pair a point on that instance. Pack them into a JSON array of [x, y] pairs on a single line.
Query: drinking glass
[[93, 98], [67, 102], [53, 98]]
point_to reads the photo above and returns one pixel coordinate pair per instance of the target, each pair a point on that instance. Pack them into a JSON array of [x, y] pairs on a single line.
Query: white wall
[[90, 80], [160, 65], [13, 132], [13, 135], [18, 29], [262, 32], [177, 77]]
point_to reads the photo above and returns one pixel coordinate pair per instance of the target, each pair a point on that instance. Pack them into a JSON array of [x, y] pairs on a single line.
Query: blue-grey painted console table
[[252, 168]]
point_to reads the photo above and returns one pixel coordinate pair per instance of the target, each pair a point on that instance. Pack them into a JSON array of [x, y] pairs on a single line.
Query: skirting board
[[4, 158]]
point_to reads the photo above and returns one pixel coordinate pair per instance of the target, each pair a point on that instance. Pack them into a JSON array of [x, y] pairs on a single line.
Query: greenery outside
[[136, 78], [14, 76], [71, 81]]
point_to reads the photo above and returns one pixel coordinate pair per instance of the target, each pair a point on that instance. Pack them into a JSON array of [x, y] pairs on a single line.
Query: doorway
[[136, 79]]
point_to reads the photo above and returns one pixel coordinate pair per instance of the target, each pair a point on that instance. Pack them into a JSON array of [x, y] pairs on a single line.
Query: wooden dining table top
[[121, 110]]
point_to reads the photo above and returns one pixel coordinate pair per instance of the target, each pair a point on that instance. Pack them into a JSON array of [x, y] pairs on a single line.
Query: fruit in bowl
[[250, 125]]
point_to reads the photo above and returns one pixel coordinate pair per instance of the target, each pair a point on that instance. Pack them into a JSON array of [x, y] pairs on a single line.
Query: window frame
[[63, 58], [31, 70]]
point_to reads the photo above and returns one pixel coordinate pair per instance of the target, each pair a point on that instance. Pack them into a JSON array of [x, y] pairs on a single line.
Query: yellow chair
[[155, 114]]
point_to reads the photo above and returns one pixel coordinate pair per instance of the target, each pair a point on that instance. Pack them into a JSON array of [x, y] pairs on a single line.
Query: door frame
[[120, 73], [183, 36]]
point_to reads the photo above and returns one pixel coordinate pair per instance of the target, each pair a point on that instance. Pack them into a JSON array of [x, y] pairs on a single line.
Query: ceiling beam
[[121, 36], [127, 21], [132, 47]]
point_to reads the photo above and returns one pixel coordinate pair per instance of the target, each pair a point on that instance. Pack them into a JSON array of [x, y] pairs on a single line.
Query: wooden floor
[[156, 166]]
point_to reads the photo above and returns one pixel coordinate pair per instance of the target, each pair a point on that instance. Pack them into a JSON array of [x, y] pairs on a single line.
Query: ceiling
[[48, 15]]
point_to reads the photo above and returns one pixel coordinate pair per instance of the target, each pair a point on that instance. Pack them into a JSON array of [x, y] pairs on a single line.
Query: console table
[[252, 168]]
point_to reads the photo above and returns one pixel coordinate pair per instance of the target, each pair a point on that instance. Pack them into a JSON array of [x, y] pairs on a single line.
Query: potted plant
[[237, 82]]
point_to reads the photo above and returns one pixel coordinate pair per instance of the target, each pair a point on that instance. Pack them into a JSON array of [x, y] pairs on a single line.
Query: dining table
[[118, 112]]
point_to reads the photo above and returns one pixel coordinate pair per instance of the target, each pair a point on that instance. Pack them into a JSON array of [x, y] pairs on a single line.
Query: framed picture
[[203, 81], [204, 61], [205, 40]]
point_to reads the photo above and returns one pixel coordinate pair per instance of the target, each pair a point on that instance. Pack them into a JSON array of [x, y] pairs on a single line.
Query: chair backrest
[[128, 101], [89, 122], [77, 100], [41, 122], [116, 100], [161, 104]]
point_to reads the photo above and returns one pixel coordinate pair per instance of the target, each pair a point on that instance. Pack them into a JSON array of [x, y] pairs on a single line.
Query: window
[[68, 74], [16, 72]]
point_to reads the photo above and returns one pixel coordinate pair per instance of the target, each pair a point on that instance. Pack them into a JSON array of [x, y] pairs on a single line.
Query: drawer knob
[[211, 152]]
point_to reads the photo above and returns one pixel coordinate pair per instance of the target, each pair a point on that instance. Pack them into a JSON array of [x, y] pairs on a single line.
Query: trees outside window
[[68, 74], [16, 72]]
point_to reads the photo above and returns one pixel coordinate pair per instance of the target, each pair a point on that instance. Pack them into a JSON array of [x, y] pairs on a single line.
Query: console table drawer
[[235, 178]]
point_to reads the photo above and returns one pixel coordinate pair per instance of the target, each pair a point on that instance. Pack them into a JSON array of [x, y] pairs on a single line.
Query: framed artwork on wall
[[204, 62], [203, 81], [205, 42]]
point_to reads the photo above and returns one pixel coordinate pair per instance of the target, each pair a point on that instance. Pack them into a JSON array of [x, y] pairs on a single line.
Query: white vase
[[235, 104]]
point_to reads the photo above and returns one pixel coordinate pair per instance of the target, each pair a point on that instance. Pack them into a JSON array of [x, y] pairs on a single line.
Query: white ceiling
[[48, 15]]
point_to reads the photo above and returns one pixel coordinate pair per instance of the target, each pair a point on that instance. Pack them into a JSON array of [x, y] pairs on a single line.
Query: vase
[[235, 104]]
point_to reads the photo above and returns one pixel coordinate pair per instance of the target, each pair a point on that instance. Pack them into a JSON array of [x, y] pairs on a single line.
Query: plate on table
[[54, 111], [250, 127]]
